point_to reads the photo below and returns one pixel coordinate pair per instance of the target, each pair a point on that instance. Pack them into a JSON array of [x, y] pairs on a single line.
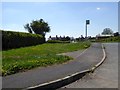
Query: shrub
[[12, 40], [110, 39], [57, 41]]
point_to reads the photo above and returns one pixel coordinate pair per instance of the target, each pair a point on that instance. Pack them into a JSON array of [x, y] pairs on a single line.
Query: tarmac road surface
[[106, 76]]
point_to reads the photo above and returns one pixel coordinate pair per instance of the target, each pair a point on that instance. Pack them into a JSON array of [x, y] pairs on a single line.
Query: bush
[[12, 40], [57, 41], [110, 39]]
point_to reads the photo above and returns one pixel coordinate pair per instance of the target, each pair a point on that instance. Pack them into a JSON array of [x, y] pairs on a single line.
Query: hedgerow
[[57, 41], [110, 39], [12, 40]]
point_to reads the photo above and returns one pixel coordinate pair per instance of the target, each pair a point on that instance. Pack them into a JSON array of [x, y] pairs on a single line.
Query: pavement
[[82, 60], [0, 82], [106, 76]]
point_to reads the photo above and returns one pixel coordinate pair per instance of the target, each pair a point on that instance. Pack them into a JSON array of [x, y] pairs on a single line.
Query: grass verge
[[22, 59]]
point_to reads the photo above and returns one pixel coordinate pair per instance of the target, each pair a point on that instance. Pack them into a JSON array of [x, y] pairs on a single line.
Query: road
[[106, 76], [37, 76]]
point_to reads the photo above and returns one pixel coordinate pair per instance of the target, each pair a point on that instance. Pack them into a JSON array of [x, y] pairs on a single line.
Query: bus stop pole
[[86, 30]]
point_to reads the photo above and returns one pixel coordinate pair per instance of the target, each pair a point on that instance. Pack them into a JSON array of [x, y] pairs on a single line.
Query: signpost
[[87, 22]]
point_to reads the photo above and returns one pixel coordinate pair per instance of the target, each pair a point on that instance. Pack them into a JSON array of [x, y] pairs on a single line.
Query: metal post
[[87, 22], [86, 31]]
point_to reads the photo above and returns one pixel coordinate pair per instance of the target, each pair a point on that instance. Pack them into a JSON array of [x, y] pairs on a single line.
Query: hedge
[[12, 40], [57, 41], [110, 39]]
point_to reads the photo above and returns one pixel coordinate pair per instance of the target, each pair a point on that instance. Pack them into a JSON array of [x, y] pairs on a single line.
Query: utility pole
[[87, 22]]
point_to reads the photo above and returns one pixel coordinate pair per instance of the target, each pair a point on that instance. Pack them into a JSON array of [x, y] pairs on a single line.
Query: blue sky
[[64, 18]]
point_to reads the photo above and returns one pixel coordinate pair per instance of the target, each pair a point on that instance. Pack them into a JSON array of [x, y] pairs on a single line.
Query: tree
[[38, 27], [107, 31], [116, 34], [67, 38], [28, 28]]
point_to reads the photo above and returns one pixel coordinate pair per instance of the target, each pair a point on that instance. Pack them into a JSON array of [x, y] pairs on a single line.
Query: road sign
[[87, 21]]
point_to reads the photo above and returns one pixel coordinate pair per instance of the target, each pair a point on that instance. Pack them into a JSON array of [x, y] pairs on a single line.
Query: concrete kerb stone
[[68, 79]]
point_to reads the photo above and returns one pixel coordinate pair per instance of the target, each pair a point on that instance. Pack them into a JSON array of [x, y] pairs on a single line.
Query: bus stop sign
[[87, 21]]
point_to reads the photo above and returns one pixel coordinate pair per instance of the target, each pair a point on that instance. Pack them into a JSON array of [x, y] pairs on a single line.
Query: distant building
[[100, 36], [67, 38]]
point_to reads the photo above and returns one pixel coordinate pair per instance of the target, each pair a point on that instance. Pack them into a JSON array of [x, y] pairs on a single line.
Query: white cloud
[[98, 8]]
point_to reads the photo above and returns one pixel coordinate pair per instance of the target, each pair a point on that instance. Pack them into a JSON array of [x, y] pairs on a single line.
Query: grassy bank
[[17, 60]]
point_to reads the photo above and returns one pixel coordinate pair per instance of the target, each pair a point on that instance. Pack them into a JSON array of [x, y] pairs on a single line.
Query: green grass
[[22, 59]]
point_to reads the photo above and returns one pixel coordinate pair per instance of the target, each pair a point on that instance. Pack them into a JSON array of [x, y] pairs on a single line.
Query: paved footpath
[[82, 61], [106, 76]]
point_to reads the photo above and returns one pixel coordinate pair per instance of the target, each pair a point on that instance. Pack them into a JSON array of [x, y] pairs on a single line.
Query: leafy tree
[[28, 28], [116, 34], [38, 27], [107, 31], [67, 38]]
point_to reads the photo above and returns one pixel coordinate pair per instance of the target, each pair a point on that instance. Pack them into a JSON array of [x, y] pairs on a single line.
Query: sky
[[64, 18]]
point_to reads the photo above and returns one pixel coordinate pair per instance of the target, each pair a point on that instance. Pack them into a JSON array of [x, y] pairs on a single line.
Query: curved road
[[37, 76], [106, 76]]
